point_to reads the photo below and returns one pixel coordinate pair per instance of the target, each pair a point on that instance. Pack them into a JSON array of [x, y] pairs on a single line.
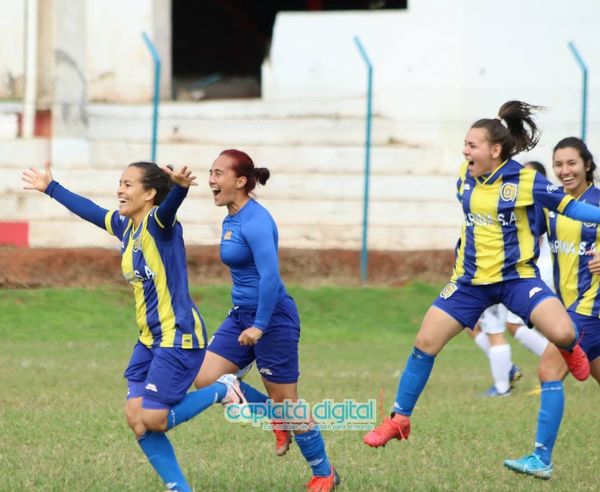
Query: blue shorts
[[589, 332], [161, 376], [466, 302], [276, 352]]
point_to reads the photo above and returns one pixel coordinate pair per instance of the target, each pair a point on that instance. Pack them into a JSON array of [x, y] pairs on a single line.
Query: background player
[[574, 247]]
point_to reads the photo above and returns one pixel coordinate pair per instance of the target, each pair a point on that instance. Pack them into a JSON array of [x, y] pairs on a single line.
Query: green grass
[[62, 353]]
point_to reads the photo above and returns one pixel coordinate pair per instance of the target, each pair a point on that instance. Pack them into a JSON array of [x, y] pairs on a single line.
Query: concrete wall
[[439, 66], [12, 49], [119, 65]]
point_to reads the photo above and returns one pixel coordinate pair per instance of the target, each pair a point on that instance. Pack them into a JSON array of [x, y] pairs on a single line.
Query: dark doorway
[[218, 46]]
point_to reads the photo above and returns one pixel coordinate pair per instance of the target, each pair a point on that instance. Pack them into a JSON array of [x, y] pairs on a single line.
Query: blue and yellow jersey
[[573, 244], [502, 223], [153, 261]]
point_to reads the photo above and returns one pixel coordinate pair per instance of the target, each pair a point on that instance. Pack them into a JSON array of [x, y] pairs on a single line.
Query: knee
[[497, 339], [203, 380], [565, 337], [280, 396], [512, 328], [427, 343], [155, 423], [134, 421], [552, 370]]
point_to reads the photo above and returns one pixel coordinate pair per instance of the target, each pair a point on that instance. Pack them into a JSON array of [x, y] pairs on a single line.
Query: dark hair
[[154, 177], [243, 166], [509, 128], [538, 166], [580, 146]]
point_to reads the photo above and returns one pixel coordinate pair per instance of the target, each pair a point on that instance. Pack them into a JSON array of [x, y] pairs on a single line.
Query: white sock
[[531, 339], [482, 340], [500, 362]]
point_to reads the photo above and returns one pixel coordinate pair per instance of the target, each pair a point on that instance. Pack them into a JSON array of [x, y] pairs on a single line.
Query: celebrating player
[[172, 340], [495, 256], [488, 334], [574, 247], [263, 324]]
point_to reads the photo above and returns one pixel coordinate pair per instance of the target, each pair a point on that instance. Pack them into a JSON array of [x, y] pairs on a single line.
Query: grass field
[[63, 351]]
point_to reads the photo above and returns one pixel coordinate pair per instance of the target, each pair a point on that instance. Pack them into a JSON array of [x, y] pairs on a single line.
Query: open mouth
[[216, 192]]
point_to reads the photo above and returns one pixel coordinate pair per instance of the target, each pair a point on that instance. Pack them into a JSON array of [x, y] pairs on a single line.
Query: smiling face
[[570, 169], [227, 188], [482, 156], [134, 201]]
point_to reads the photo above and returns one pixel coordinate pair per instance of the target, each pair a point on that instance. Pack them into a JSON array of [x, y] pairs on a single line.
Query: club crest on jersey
[[508, 192], [227, 235], [137, 244], [447, 291]]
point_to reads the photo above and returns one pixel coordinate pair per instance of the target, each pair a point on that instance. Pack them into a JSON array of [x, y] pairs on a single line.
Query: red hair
[[243, 165]]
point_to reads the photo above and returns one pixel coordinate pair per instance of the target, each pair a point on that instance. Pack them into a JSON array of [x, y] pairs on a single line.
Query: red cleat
[[577, 361], [324, 484], [283, 439], [397, 427]]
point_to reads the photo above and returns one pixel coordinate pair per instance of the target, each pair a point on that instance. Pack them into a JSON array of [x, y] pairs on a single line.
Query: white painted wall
[[439, 66], [120, 67], [12, 48]]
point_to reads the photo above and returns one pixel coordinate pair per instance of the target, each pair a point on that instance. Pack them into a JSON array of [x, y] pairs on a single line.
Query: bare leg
[[213, 367]]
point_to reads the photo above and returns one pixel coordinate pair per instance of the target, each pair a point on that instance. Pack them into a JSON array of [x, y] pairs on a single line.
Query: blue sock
[[550, 415], [252, 394], [194, 403], [312, 446], [160, 454], [413, 380]]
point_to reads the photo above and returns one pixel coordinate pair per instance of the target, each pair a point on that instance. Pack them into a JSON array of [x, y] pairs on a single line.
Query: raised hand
[[36, 179], [182, 177]]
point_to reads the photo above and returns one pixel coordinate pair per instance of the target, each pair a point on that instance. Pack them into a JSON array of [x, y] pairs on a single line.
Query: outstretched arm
[[83, 207], [582, 211]]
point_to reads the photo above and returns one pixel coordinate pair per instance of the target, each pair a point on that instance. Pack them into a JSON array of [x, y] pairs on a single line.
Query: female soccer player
[[496, 254], [574, 247], [172, 340], [488, 334], [263, 324]]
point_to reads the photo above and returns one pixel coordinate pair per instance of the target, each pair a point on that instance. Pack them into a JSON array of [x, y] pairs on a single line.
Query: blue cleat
[[530, 465], [492, 392], [514, 375]]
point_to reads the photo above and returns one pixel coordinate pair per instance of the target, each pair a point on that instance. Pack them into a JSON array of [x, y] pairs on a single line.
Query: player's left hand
[[250, 336], [594, 264], [182, 176]]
